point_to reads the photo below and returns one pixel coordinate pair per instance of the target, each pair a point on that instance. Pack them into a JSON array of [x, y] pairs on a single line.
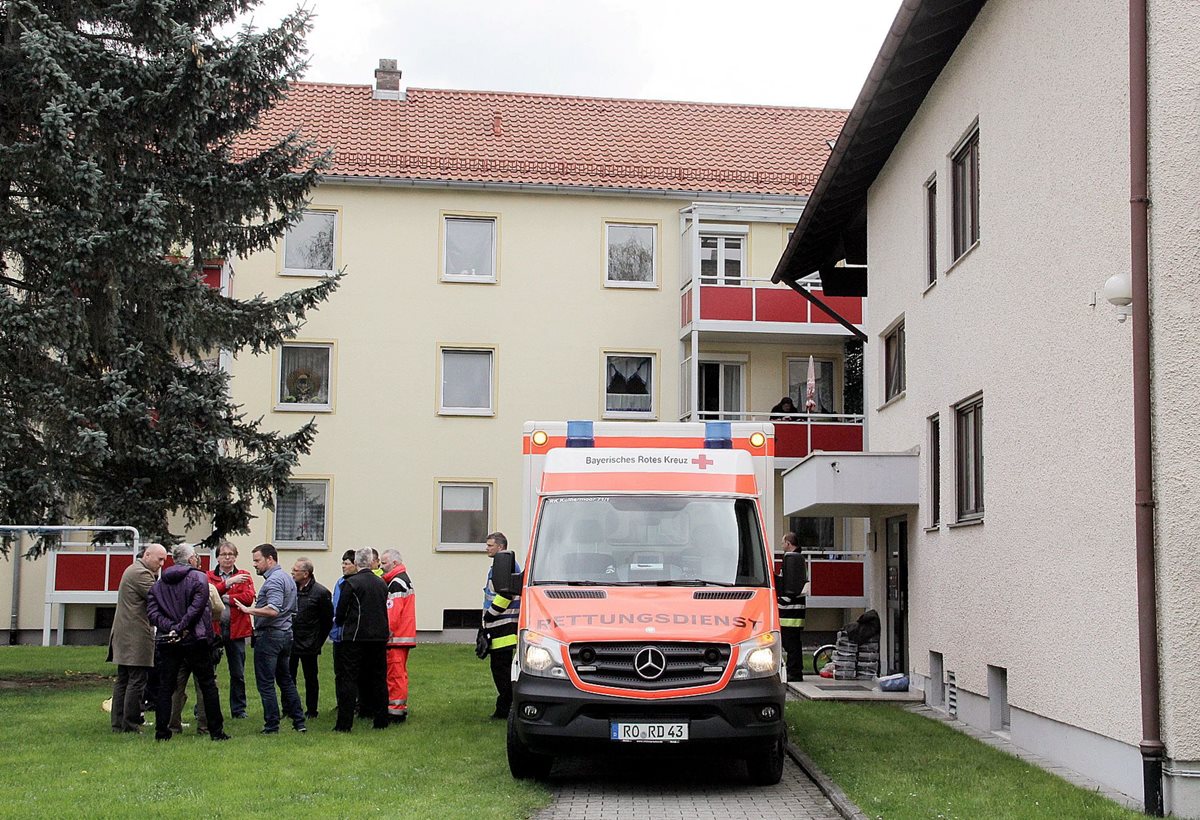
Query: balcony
[[794, 440], [758, 306]]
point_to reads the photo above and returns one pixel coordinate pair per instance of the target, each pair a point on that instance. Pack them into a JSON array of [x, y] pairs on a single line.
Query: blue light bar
[[718, 435], [580, 434]]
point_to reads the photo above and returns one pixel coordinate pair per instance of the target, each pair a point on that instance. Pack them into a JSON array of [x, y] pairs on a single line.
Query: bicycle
[[823, 656]]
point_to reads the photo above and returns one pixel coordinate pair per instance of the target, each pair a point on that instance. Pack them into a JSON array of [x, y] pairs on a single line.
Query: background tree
[[120, 171]]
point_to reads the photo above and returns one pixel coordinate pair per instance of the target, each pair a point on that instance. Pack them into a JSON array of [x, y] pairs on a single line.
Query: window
[[721, 259], [931, 231], [797, 370], [812, 533], [470, 249], [301, 510], [935, 470], [964, 194], [893, 362], [309, 247], [630, 256], [304, 376], [464, 514], [467, 377], [720, 391], [628, 386], [968, 459]]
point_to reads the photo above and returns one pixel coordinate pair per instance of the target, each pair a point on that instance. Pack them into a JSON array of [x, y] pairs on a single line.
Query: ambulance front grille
[[722, 595], [576, 593], [687, 664]]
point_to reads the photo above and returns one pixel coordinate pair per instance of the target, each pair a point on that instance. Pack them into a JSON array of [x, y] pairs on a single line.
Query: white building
[[983, 178]]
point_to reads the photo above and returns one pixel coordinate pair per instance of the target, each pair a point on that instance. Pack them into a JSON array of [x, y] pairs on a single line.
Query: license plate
[[649, 732]]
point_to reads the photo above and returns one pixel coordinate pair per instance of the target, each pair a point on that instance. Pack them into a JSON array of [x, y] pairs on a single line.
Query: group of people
[[176, 624]]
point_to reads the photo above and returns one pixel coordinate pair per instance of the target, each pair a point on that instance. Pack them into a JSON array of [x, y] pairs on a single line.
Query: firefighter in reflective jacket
[[791, 621], [402, 631], [500, 620]]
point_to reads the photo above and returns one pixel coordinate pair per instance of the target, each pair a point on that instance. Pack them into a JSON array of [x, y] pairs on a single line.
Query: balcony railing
[[802, 433], [759, 300]]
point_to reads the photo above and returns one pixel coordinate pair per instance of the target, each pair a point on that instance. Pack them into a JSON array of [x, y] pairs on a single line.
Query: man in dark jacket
[[178, 607], [314, 618], [360, 663]]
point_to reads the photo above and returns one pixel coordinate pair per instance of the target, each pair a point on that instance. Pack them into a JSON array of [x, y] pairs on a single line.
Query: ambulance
[[648, 617]]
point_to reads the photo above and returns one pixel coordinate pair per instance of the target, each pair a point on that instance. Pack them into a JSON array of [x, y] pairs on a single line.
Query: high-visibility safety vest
[[791, 611], [500, 615], [402, 608]]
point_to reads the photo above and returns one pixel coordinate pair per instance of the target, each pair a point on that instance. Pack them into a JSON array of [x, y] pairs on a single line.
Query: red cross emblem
[[702, 461]]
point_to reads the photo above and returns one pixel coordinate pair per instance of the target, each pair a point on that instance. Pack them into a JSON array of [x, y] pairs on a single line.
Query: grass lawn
[[62, 760], [895, 765]]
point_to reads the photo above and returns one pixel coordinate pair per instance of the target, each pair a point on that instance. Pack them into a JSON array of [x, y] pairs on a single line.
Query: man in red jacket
[[233, 584], [402, 629]]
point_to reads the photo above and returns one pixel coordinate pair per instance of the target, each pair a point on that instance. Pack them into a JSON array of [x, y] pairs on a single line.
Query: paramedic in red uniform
[[402, 629]]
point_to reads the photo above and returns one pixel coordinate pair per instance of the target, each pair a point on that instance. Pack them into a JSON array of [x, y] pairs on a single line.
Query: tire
[[523, 763], [765, 768], [823, 657]]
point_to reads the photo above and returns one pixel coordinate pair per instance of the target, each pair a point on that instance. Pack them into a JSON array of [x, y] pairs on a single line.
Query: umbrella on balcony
[[810, 389]]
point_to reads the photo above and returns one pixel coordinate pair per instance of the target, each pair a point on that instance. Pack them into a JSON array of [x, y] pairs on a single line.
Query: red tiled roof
[[478, 136]]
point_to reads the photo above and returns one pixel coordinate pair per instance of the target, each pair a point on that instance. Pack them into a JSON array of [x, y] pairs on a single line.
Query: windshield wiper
[[613, 583], [693, 582]]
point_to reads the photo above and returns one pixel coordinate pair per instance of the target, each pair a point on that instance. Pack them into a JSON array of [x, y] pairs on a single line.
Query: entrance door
[[897, 594], [720, 391]]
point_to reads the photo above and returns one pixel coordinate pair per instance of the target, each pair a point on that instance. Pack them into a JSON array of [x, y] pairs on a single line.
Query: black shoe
[[240, 716], [499, 715], [399, 718], [301, 729], [341, 729], [311, 714], [162, 737], [269, 732], [219, 736]]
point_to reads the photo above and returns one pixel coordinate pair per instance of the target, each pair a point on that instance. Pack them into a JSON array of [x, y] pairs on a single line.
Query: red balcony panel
[[685, 308], [791, 439], [725, 302], [116, 568], [212, 274], [781, 305], [79, 572], [848, 307], [840, 438], [836, 578]]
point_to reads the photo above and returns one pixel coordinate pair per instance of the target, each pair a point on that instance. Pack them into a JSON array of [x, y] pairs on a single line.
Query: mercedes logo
[[649, 662]]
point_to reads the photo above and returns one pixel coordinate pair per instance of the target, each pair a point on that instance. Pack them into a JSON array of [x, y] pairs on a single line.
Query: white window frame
[[449, 410], [721, 233], [306, 545], [724, 413], [898, 330], [489, 485], [650, 414], [614, 283], [446, 275], [300, 407], [284, 270]]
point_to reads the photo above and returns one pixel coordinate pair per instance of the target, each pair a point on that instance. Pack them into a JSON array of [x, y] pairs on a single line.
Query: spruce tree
[[120, 172]]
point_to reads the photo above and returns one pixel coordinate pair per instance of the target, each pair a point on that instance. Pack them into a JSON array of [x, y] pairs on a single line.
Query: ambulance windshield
[[648, 540]]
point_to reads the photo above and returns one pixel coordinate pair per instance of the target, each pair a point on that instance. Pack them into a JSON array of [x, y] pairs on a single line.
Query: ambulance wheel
[[765, 768], [524, 764]]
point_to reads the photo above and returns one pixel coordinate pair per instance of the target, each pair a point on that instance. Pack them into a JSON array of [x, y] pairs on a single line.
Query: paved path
[[678, 788]]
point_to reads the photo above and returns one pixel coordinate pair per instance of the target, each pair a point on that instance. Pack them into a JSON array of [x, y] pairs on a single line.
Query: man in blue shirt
[[273, 611]]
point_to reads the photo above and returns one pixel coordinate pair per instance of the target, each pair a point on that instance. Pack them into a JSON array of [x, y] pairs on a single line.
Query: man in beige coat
[[131, 642]]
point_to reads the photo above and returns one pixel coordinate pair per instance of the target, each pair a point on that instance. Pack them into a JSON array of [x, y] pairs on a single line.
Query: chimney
[[387, 81]]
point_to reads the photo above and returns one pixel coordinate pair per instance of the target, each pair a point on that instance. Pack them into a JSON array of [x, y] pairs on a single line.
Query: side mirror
[[792, 584], [505, 580]]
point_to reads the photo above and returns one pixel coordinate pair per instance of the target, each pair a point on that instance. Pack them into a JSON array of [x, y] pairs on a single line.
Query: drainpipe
[[15, 615], [1152, 747]]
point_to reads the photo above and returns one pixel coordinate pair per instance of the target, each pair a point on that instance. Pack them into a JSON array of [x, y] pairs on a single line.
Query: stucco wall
[[1044, 588], [1175, 305]]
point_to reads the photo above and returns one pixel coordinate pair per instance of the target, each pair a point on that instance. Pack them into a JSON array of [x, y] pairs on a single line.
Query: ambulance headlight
[[759, 657], [540, 656]]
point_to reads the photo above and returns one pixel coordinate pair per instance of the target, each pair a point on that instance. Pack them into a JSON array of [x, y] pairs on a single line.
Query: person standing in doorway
[[131, 641], [500, 621], [233, 585], [791, 620], [274, 610], [402, 628], [314, 619]]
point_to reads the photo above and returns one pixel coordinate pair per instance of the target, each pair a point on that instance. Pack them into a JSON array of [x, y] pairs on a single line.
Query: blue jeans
[[235, 656], [272, 652]]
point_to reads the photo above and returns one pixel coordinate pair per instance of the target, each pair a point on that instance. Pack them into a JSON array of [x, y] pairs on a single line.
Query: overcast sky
[[778, 52]]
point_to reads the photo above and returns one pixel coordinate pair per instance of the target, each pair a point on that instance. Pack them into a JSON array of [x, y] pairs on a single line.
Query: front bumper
[[569, 720]]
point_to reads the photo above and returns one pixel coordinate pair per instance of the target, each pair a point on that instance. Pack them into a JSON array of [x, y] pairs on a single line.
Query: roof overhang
[[850, 485], [833, 227]]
